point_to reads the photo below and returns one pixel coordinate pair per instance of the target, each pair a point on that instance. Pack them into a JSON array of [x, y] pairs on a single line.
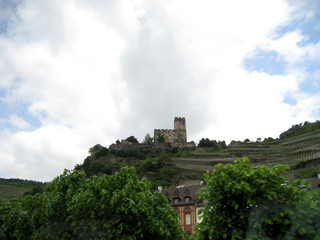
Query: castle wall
[[169, 134], [179, 123], [176, 136]]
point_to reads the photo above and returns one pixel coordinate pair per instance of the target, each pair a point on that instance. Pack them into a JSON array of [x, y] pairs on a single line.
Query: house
[[184, 200]]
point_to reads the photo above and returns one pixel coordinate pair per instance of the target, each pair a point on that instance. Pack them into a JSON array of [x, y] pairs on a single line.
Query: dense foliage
[[132, 139], [206, 142], [98, 151], [301, 128], [73, 206], [246, 202]]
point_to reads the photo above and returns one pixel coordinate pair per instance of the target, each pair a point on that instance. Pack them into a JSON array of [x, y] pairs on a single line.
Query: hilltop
[[164, 164]]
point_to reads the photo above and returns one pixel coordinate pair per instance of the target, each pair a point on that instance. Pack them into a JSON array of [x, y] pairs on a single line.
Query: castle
[[177, 137]]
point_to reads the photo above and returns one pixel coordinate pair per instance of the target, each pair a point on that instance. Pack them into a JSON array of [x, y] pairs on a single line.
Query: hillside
[[17, 188], [155, 164], [299, 147]]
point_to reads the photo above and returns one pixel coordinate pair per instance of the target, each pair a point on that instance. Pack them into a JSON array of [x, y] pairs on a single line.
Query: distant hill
[[299, 147], [16, 188]]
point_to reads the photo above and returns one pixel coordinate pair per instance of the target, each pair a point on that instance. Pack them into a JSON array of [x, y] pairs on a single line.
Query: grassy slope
[[16, 187]]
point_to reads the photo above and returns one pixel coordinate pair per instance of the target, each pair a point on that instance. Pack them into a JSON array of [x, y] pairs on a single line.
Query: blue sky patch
[[269, 62], [308, 86], [19, 109], [308, 25], [310, 65], [289, 99]]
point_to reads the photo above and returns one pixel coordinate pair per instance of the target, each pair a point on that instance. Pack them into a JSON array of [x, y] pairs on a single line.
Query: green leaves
[[120, 206], [246, 202]]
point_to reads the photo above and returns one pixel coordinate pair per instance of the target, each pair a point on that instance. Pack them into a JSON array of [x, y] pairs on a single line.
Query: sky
[[74, 73]]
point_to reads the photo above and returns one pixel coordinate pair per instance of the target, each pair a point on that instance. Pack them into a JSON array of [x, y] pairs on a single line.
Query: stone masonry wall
[[176, 136]]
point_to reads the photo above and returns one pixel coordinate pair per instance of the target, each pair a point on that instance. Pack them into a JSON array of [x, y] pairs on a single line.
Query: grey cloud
[[8, 14]]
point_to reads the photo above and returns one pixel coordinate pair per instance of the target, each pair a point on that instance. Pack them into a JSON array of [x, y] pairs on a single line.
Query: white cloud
[[41, 153], [287, 46], [250, 105], [19, 122]]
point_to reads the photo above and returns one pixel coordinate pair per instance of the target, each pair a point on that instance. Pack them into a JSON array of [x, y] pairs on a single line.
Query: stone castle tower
[[177, 136]]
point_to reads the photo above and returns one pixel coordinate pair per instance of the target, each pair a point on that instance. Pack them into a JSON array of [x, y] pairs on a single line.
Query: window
[[176, 200], [188, 218], [187, 199]]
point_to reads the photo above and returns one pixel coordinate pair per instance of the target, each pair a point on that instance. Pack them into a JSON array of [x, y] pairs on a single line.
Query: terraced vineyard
[[301, 152]]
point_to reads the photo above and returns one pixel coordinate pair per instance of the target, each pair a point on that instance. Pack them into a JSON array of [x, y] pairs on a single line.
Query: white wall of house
[[199, 219]]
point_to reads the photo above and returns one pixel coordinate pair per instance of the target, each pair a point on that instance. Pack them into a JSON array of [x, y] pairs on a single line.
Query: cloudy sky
[[74, 73]]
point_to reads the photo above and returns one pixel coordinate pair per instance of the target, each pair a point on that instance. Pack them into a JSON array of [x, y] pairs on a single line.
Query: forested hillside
[[299, 147]]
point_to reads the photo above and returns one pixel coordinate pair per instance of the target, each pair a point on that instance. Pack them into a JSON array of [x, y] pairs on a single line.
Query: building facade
[[184, 200]]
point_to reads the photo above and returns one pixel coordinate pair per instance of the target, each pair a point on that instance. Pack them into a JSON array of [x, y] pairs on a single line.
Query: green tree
[[160, 137], [148, 139], [251, 202], [132, 139], [222, 144], [269, 140], [205, 142], [98, 151], [72, 206], [56, 198], [19, 219], [122, 206]]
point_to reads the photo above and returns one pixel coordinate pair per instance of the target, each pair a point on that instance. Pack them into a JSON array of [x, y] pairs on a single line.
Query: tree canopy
[[72, 206], [206, 142], [98, 151], [132, 139], [148, 139], [254, 202]]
